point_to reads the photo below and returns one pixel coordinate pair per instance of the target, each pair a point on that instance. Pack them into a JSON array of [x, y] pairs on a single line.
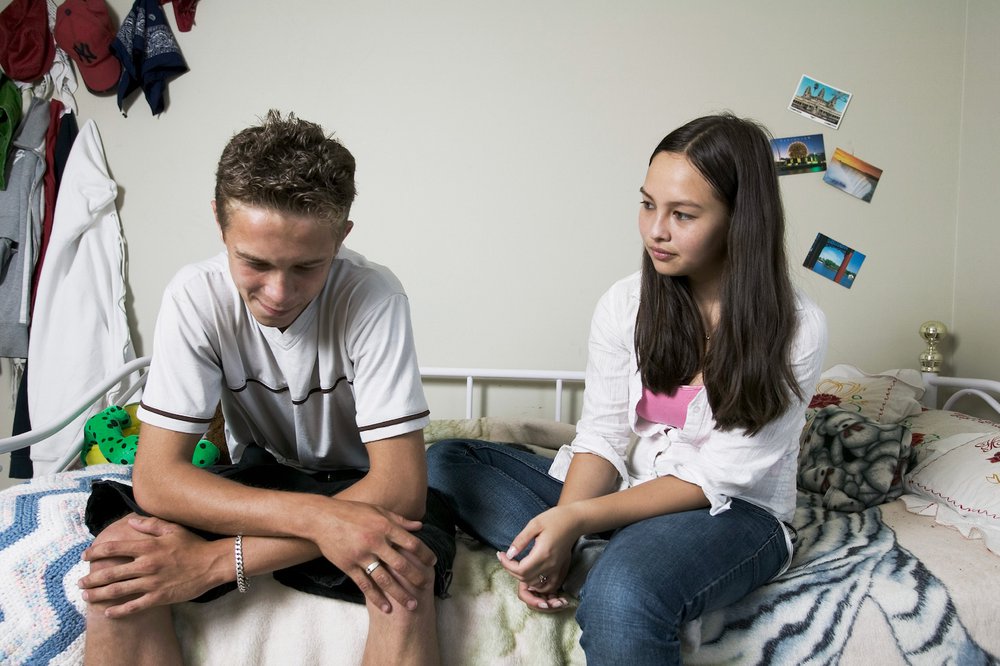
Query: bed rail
[[933, 332], [471, 375], [34, 435], [984, 389]]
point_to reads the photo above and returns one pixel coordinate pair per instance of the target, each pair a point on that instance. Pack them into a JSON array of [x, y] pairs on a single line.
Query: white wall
[[976, 320], [500, 149]]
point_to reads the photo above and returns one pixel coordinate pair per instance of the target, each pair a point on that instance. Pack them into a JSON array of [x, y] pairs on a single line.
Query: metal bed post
[[560, 377], [933, 332], [559, 388], [468, 397]]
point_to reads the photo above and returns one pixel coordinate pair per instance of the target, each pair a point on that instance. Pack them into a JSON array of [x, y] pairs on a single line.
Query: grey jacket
[[20, 228]]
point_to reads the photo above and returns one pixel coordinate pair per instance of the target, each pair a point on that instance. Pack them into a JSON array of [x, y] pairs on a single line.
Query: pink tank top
[[670, 410]]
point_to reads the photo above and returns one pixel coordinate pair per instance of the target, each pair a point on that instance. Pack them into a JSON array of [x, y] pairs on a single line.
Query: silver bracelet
[[242, 582]]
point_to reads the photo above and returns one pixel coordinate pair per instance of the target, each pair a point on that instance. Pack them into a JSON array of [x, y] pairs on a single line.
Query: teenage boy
[[309, 348]]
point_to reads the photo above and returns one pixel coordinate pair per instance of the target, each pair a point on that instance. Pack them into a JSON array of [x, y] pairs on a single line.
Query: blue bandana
[[149, 54]]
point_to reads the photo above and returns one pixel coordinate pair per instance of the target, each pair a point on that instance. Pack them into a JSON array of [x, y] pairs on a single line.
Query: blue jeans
[[654, 575]]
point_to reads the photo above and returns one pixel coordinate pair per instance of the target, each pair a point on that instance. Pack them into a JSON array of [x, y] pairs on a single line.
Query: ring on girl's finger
[[542, 579], [372, 567]]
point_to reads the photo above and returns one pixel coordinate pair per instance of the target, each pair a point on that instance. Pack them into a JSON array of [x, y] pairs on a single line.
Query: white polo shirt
[[343, 374]]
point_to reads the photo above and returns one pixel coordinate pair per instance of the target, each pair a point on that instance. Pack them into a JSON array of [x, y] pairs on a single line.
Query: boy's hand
[[151, 562], [355, 535]]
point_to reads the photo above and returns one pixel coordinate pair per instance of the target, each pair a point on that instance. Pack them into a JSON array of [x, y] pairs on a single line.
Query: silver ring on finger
[[373, 566], [542, 579]]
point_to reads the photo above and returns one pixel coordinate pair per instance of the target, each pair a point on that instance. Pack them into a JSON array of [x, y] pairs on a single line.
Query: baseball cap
[[26, 48], [84, 31]]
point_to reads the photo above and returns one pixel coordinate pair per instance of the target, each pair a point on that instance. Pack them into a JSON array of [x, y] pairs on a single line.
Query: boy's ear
[[347, 230], [215, 214]]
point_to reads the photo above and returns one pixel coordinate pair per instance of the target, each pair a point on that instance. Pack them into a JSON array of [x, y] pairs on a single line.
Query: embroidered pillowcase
[[886, 397], [959, 484]]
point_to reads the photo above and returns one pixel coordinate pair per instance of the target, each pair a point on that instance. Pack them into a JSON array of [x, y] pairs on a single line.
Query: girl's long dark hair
[[746, 369]]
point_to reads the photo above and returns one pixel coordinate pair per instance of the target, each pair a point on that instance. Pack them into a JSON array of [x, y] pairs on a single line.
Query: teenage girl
[[699, 369]]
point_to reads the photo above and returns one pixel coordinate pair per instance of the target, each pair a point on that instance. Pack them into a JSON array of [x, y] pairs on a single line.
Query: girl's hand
[[541, 572], [540, 601]]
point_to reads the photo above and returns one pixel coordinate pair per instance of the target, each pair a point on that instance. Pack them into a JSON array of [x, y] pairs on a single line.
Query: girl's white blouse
[[760, 469]]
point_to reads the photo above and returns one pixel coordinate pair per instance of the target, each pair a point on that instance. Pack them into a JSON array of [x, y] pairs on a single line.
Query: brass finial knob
[[933, 332]]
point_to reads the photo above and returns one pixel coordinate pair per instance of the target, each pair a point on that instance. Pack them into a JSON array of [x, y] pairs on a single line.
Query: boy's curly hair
[[287, 165]]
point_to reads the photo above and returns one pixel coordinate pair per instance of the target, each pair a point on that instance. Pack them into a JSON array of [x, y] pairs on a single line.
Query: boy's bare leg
[[144, 638], [403, 636]]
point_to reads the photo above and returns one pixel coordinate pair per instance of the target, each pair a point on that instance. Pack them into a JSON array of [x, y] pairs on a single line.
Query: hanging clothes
[[183, 13], [80, 331], [20, 460], [10, 120], [58, 141], [21, 208], [149, 54], [26, 46]]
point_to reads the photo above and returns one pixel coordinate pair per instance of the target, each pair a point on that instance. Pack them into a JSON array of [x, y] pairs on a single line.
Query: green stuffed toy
[[112, 436]]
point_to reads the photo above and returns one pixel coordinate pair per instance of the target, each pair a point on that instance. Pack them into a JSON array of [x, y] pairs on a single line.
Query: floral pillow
[[886, 397], [959, 483], [931, 426]]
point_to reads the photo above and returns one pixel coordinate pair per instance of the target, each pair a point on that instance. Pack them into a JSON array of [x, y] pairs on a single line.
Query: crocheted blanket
[[42, 535]]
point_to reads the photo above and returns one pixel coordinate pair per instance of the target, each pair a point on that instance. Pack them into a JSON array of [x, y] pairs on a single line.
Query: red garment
[[183, 13], [26, 46], [84, 30], [51, 188]]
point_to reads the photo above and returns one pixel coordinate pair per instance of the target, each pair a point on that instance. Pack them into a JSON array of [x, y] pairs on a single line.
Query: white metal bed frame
[[471, 375], [141, 366], [985, 389]]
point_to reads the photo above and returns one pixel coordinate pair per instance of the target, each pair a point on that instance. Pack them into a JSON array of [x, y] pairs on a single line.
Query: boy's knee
[[119, 529], [402, 620]]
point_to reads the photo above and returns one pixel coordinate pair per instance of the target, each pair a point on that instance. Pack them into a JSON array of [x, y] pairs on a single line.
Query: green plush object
[[105, 441]]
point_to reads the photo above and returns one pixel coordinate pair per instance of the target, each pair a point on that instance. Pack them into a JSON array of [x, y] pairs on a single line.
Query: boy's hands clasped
[[154, 562], [355, 535], [151, 563]]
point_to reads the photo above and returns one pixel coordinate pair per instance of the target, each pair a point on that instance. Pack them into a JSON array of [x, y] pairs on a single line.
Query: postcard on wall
[[834, 260], [799, 154], [820, 102], [856, 177]]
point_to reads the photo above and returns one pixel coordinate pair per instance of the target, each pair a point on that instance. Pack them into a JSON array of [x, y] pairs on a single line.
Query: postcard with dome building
[[799, 154]]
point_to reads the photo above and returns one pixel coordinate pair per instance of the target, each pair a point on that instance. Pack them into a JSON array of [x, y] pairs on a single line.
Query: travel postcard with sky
[[852, 175], [820, 102], [834, 260]]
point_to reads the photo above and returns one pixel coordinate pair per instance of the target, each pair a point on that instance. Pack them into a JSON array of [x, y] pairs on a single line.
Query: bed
[[913, 579]]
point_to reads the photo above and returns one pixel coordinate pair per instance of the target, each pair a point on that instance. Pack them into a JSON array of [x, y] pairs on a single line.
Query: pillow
[[960, 485], [853, 461], [887, 397], [931, 426]]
